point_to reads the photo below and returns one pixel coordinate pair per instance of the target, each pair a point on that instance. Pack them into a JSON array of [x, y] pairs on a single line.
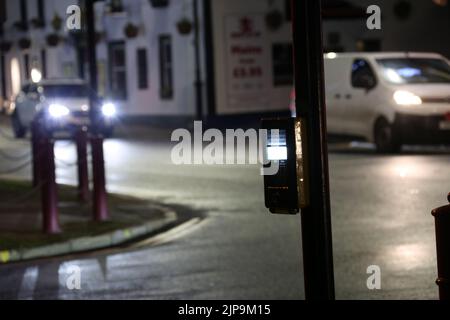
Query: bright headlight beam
[[406, 98], [109, 110], [58, 110]]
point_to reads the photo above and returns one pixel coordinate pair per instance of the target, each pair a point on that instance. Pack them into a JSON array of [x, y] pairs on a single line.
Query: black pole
[[2, 54], [100, 207], [442, 227], [198, 75], [92, 61], [209, 58], [310, 105]]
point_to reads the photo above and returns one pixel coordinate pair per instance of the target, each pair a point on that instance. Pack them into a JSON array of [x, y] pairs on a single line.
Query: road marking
[[28, 284], [173, 234]]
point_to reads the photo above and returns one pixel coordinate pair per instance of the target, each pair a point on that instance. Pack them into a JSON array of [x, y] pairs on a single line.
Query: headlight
[[58, 111], [109, 110], [406, 98]]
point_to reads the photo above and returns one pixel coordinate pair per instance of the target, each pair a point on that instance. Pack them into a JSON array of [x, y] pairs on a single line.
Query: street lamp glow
[[58, 111], [109, 110], [406, 98]]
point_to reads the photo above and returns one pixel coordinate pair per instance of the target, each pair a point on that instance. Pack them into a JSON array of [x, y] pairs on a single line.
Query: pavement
[[21, 236], [380, 216]]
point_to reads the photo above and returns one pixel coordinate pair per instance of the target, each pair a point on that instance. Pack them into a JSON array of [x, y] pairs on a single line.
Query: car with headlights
[[63, 103], [388, 98]]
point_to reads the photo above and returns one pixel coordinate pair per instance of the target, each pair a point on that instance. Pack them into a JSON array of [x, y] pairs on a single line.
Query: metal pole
[[35, 151], [198, 76], [310, 105], [99, 193], [49, 195], [83, 176], [442, 225]]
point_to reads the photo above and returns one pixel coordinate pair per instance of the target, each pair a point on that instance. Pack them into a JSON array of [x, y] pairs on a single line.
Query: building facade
[[145, 51], [152, 61]]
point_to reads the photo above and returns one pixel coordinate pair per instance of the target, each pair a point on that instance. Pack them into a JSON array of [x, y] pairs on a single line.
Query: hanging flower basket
[[37, 23], [274, 20], [131, 31], [24, 43], [5, 46], [184, 26], [57, 22], [52, 39], [21, 25]]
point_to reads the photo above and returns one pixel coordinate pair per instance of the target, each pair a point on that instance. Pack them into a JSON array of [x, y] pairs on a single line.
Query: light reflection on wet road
[[380, 209]]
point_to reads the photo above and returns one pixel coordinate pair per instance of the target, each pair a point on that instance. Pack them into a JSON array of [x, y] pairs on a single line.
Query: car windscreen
[[65, 91], [415, 70]]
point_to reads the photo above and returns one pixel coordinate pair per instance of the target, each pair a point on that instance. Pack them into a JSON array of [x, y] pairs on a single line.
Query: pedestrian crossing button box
[[284, 168]]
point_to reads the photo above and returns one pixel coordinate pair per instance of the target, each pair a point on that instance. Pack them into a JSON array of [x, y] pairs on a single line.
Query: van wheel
[[18, 128], [385, 140]]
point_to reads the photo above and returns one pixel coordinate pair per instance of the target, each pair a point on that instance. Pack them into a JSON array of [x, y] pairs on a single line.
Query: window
[[362, 75], [44, 63], [116, 6], [415, 70], [66, 91], [26, 65], [3, 17], [23, 12], [3, 75], [41, 11], [142, 68], [283, 67], [288, 9], [81, 57], [166, 66], [117, 71]]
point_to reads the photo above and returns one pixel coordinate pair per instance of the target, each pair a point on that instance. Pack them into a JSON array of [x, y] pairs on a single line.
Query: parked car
[[389, 99], [64, 103]]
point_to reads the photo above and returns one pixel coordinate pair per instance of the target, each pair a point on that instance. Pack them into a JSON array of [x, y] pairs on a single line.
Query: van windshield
[[65, 91], [415, 70]]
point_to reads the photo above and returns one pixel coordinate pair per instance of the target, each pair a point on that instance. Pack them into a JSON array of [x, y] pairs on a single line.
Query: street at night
[[225, 159], [237, 250]]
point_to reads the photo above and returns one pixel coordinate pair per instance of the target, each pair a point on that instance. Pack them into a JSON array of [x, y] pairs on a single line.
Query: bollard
[[35, 151], [83, 175], [48, 179], [98, 166], [442, 225]]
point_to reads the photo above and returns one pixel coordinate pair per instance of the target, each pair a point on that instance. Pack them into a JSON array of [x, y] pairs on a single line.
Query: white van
[[389, 98]]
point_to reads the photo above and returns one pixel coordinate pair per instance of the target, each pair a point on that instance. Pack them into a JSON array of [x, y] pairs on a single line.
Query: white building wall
[[58, 58], [153, 23]]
